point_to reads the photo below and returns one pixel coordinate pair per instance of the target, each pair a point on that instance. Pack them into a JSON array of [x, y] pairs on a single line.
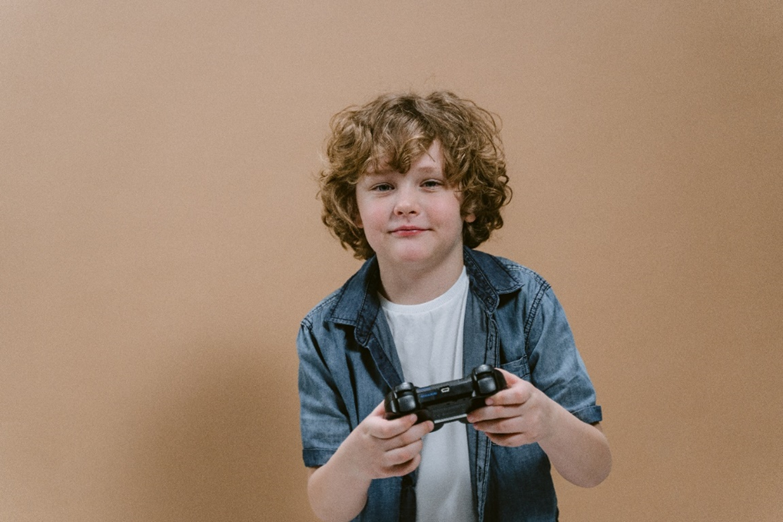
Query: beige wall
[[160, 238]]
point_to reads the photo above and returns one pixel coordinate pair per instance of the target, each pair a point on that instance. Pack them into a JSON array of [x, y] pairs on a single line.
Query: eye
[[382, 187], [432, 183]]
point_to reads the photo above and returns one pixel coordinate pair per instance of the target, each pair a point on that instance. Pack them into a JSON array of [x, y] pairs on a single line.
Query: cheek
[[372, 215], [449, 212], [368, 217], [363, 213]]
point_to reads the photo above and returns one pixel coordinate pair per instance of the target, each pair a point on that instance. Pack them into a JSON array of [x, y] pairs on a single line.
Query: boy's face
[[413, 219]]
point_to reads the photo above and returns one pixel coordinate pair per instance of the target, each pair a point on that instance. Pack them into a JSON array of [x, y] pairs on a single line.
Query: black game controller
[[447, 401]]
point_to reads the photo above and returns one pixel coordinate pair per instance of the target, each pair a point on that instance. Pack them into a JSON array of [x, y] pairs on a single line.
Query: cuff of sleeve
[[590, 415], [314, 458]]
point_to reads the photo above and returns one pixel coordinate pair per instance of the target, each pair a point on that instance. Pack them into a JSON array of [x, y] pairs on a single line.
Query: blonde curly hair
[[393, 131]]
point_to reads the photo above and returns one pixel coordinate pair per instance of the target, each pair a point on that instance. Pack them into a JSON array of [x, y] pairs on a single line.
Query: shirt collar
[[358, 305]]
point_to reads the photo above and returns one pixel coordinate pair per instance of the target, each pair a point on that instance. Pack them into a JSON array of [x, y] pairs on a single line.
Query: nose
[[407, 202]]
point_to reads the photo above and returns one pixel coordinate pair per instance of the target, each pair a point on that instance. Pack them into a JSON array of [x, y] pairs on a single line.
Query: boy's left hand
[[520, 414]]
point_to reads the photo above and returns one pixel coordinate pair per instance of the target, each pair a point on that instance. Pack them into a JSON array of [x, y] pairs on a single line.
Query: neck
[[411, 286]]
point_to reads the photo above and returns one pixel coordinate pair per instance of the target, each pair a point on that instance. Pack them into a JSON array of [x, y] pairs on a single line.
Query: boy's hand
[[520, 414], [376, 448], [381, 448]]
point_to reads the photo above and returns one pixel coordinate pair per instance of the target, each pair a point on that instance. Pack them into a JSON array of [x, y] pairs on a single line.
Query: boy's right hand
[[376, 448], [381, 448]]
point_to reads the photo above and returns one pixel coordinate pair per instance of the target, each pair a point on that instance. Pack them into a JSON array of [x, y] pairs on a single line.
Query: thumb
[[511, 379]]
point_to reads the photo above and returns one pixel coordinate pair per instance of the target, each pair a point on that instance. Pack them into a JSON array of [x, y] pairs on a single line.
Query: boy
[[412, 185]]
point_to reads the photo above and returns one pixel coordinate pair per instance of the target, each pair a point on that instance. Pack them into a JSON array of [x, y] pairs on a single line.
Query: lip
[[407, 231]]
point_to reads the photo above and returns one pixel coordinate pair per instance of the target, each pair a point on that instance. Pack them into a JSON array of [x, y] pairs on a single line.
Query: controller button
[[487, 386], [407, 403]]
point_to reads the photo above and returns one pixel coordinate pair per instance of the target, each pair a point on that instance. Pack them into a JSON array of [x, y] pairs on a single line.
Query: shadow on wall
[[219, 440]]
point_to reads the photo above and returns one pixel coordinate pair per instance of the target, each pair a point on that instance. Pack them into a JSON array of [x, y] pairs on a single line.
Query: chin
[[417, 256], [408, 255]]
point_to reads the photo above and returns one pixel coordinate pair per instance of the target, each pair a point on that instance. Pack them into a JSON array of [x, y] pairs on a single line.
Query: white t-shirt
[[428, 338]]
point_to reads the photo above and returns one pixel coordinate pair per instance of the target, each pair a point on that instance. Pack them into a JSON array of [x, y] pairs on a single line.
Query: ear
[[470, 218]]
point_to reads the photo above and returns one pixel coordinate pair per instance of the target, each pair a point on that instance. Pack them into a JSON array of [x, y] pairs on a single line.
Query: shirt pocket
[[518, 367]]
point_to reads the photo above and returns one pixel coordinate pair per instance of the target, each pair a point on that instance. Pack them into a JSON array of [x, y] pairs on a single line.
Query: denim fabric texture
[[348, 362]]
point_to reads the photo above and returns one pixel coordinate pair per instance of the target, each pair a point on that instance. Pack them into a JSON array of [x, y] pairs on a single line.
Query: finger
[[402, 469], [416, 432], [390, 429], [511, 379], [402, 455], [513, 424], [489, 413], [411, 436], [379, 410], [382, 428], [517, 393]]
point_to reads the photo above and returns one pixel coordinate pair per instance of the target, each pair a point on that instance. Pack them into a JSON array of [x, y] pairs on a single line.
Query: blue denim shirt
[[348, 362]]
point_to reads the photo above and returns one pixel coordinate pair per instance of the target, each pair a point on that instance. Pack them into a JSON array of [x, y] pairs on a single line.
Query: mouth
[[406, 231]]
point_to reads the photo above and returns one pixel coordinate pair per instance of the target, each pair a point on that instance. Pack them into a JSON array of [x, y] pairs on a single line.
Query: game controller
[[447, 401]]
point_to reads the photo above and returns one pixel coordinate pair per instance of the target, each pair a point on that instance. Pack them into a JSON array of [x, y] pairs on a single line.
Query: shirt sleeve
[[556, 367], [324, 422]]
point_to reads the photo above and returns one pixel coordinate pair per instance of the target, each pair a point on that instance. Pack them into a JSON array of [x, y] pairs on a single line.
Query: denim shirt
[[348, 362]]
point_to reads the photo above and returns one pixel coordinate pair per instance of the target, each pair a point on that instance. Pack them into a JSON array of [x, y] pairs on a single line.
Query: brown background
[[160, 238]]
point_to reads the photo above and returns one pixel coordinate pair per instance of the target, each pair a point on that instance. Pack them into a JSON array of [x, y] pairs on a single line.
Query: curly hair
[[393, 131]]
